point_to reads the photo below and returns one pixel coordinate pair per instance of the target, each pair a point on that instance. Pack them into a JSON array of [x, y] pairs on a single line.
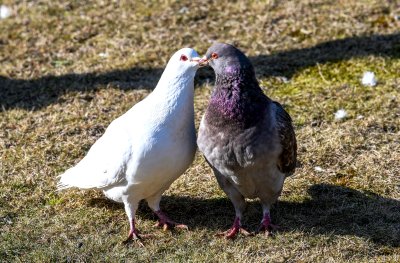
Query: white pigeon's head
[[185, 60]]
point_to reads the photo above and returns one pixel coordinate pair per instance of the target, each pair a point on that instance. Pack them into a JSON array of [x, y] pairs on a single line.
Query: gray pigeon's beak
[[202, 61]]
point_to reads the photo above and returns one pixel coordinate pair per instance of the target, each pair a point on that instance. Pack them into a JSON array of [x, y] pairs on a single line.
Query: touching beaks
[[202, 61]]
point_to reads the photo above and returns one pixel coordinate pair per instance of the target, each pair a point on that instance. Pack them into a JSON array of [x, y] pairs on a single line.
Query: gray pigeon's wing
[[287, 159]]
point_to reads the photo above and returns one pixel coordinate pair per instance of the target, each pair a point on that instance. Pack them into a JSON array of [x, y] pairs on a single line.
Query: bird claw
[[171, 225], [135, 237], [269, 229], [232, 232], [167, 223], [245, 232], [182, 226], [267, 226]]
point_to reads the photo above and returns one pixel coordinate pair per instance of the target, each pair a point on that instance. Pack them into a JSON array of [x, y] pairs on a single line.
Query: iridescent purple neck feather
[[237, 98]]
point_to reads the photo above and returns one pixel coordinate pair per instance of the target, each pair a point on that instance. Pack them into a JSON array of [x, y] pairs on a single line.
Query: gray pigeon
[[247, 138]]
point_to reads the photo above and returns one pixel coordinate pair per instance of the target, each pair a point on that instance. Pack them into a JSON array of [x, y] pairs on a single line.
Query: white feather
[[340, 114], [5, 11], [369, 79]]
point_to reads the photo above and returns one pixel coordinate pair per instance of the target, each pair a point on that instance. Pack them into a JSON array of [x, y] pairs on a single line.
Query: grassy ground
[[67, 69]]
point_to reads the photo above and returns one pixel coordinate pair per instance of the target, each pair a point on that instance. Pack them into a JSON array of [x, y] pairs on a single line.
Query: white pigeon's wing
[[105, 163]]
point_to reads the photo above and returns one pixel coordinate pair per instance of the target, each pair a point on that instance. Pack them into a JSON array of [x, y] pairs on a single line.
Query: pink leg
[[166, 223], [133, 234], [266, 225], [234, 230]]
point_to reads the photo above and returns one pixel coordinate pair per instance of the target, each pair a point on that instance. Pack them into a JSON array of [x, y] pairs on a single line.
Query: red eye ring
[[183, 58], [214, 55]]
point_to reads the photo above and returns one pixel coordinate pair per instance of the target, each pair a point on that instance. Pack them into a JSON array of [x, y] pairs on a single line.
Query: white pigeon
[[143, 151]]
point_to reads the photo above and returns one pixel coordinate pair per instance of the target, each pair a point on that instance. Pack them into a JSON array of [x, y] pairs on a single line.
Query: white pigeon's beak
[[202, 61]]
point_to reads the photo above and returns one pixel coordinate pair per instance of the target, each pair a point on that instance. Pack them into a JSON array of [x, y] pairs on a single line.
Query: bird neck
[[237, 98], [174, 91]]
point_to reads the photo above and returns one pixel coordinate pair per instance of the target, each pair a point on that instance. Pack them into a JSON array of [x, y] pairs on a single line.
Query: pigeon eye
[[214, 55], [183, 58]]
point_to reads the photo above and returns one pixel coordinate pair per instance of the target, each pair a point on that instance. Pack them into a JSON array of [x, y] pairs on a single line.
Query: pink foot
[[267, 226], [134, 235], [166, 223], [234, 230]]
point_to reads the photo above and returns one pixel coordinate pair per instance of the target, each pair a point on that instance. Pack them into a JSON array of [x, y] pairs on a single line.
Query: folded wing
[[287, 159]]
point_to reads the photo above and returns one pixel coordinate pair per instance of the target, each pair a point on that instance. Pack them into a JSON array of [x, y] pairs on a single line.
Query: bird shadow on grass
[[329, 210], [33, 94]]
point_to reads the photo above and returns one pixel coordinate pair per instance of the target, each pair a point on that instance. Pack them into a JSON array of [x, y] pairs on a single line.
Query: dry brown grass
[[58, 95]]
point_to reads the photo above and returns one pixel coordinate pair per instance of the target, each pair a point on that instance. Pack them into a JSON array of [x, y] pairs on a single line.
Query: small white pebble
[[5, 11], [184, 10], [340, 114], [283, 79], [103, 55], [369, 79], [318, 169], [359, 117]]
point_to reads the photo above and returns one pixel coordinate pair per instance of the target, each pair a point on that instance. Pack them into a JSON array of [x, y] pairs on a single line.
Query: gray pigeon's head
[[225, 59]]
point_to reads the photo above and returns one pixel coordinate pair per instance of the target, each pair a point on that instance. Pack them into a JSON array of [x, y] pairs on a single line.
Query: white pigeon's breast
[[163, 149]]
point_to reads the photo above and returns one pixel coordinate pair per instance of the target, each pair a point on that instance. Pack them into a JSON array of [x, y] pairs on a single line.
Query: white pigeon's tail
[[74, 177]]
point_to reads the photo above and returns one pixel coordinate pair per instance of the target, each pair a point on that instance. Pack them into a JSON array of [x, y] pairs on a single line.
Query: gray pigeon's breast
[[244, 157], [236, 149]]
